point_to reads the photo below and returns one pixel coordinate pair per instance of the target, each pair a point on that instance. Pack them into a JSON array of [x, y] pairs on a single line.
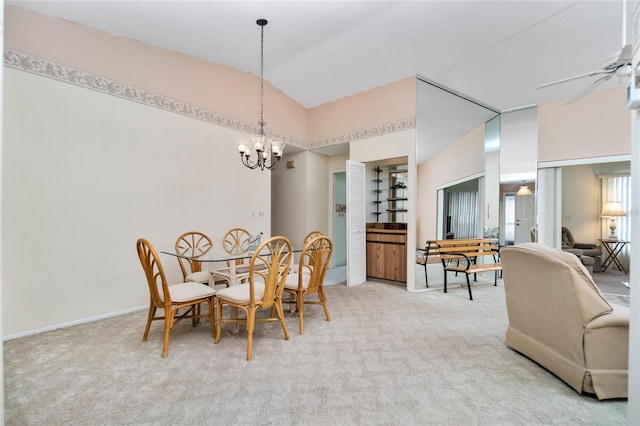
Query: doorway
[[339, 219], [518, 218]]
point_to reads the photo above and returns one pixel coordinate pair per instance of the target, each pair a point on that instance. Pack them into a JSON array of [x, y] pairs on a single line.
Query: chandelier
[[268, 151], [524, 190]]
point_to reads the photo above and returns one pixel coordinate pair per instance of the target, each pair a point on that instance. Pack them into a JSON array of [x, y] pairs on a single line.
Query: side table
[[613, 248]]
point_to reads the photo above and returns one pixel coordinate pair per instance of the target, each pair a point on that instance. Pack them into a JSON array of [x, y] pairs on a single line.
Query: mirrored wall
[[518, 165], [454, 123]]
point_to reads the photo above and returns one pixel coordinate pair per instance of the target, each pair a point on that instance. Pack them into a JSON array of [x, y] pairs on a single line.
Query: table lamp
[[613, 209]]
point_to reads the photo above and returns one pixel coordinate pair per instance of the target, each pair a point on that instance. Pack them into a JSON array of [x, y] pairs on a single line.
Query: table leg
[[616, 250], [233, 311], [232, 280], [607, 261], [613, 256]]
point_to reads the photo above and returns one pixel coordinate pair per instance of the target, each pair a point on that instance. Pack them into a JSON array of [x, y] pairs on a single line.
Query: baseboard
[[71, 323]]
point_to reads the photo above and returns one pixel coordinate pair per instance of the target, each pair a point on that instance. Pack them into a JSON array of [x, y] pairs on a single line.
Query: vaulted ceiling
[[497, 52]]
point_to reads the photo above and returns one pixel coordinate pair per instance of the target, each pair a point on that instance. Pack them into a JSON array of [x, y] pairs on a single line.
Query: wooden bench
[[463, 255]]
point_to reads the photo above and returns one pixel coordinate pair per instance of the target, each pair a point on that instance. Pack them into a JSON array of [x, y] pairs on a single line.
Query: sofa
[[559, 318]]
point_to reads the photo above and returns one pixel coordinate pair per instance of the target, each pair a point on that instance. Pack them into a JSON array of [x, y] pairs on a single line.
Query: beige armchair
[[559, 319]]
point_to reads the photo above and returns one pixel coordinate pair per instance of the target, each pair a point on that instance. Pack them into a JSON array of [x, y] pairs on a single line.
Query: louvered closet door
[[356, 232]]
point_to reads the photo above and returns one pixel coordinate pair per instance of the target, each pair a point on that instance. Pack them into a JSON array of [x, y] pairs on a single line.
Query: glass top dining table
[[217, 253]]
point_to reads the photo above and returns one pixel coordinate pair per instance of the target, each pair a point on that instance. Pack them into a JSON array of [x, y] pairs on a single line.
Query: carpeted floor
[[612, 281], [388, 357]]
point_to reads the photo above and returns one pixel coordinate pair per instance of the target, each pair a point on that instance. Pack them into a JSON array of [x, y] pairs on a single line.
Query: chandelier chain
[[268, 151], [262, 79]]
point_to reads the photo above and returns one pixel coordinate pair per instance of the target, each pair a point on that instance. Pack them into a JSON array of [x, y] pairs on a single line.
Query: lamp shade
[[613, 209], [524, 190]]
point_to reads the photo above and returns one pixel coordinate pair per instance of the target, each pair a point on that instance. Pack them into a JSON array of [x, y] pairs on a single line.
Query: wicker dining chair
[[311, 235], [309, 278], [268, 269], [235, 241], [193, 244], [172, 299]]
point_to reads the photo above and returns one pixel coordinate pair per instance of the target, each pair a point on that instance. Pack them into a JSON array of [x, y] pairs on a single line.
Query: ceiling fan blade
[[575, 77], [626, 54], [589, 89], [619, 58]]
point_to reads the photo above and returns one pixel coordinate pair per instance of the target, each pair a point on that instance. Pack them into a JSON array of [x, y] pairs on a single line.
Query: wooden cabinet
[[387, 253]]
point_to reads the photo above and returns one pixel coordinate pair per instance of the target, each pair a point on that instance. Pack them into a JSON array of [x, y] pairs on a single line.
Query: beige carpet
[[388, 357], [612, 281]]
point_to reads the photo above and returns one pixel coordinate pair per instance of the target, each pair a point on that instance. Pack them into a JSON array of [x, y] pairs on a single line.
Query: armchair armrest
[[584, 246], [618, 317], [606, 344], [575, 251]]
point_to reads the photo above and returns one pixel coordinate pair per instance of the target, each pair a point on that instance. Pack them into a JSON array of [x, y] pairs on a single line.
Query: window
[[618, 188], [463, 210]]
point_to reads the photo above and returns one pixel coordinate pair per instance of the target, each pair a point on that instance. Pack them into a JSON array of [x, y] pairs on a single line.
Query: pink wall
[[597, 125], [385, 104], [211, 86], [189, 79]]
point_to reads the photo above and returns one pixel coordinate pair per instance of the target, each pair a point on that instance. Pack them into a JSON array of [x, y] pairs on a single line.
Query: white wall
[[633, 415], [288, 203], [317, 192], [86, 174], [300, 194], [1, 149]]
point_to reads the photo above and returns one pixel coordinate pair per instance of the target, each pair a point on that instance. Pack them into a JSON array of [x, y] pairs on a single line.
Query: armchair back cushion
[[569, 242]]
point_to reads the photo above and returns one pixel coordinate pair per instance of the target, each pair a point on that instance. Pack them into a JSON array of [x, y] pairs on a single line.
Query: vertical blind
[[618, 188], [463, 210]]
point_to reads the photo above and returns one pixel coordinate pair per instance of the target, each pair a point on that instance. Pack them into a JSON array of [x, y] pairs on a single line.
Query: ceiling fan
[[617, 64]]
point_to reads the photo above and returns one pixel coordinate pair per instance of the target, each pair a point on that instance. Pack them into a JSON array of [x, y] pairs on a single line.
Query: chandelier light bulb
[[258, 144], [242, 146]]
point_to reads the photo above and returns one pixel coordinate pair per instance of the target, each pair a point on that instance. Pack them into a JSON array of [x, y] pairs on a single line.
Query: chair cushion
[[184, 292], [592, 252], [292, 281], [587, 260], [240, 293], [198, 277]]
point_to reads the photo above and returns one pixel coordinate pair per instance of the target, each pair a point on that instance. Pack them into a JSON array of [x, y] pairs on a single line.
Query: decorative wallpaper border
[[382, 129], [34, 65]]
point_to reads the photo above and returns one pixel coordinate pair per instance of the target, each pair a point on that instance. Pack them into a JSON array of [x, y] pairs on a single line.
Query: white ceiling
[[496, 52]]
